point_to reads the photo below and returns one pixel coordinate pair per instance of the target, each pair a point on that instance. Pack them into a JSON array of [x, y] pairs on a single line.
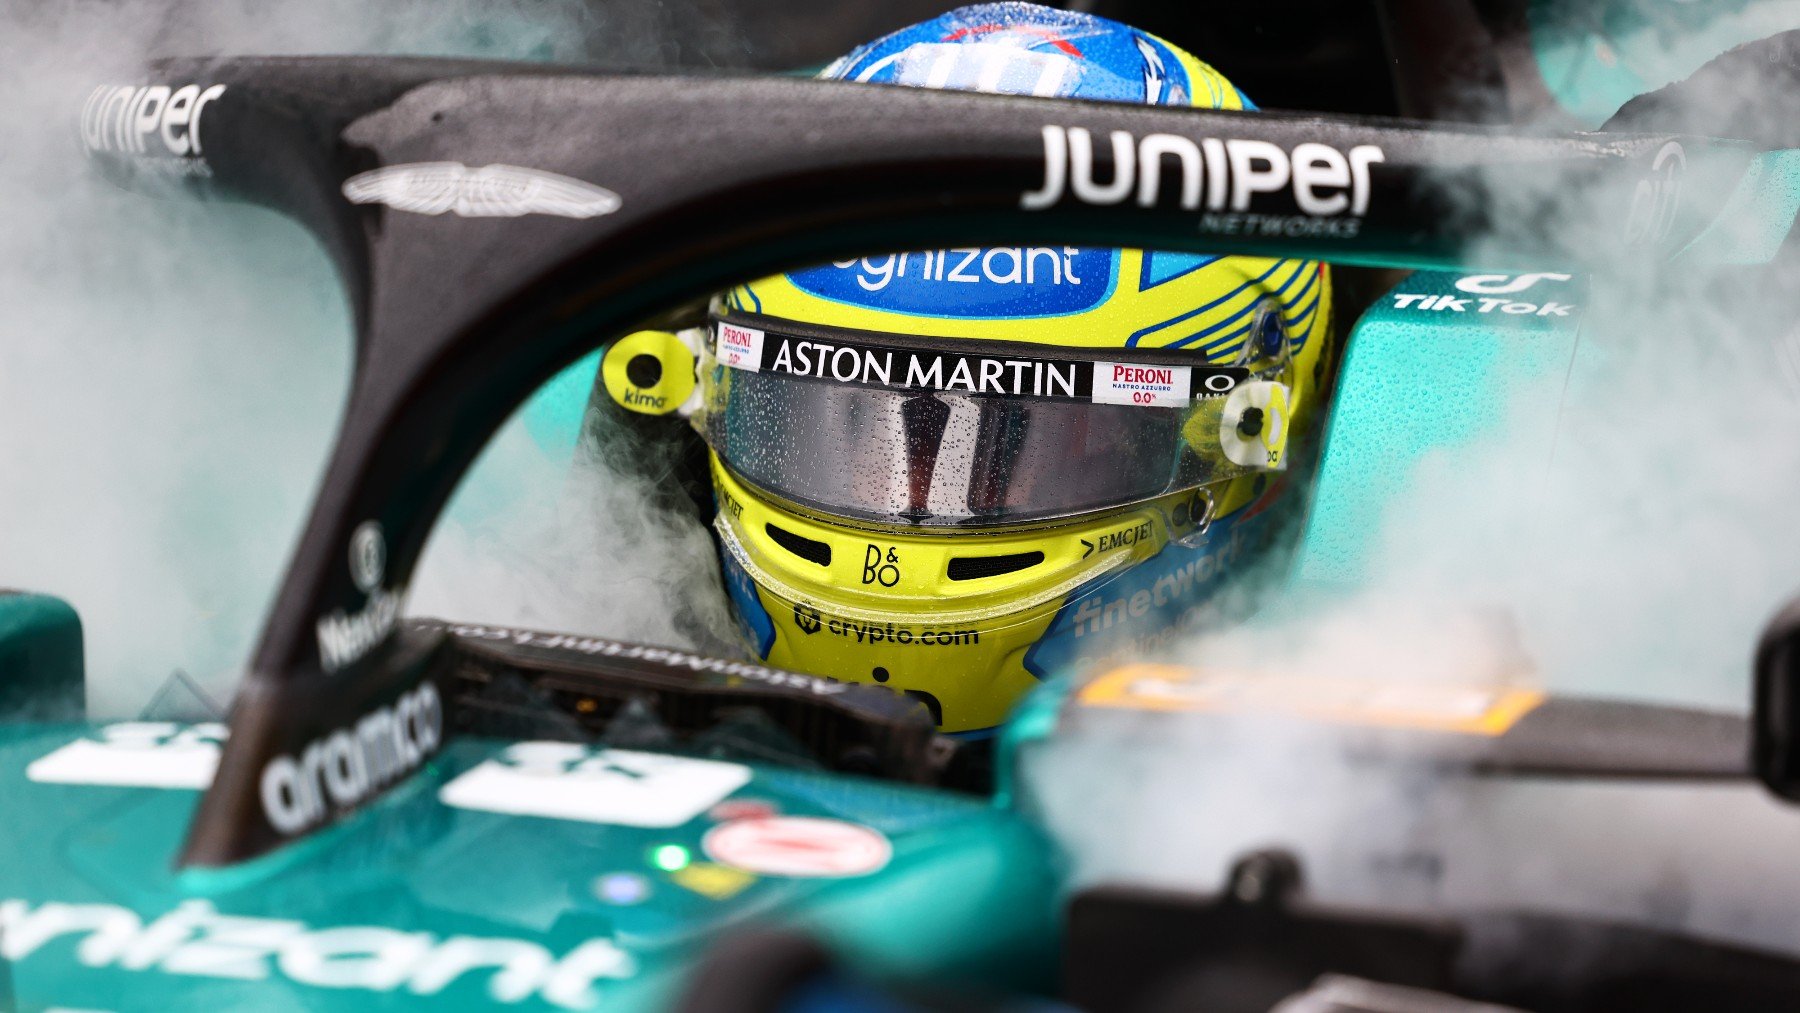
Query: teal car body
[[418, 902], [472, 881]]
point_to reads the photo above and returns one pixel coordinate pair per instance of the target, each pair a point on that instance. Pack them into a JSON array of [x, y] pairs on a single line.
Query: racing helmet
[[956, 471]]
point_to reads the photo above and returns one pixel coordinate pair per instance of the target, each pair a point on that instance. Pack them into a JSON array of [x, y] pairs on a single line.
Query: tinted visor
[[933, 434]]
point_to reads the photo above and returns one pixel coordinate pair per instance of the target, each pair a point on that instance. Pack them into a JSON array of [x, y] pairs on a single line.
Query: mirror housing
[[1775, 707], [42, 672]]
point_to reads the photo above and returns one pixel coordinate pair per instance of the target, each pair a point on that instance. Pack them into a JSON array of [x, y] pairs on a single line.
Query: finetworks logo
[[1221, 175], [341, 770], [195, 940]]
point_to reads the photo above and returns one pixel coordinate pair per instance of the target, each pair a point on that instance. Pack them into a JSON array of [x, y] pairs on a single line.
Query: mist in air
[[171, 372], [1626, 539]]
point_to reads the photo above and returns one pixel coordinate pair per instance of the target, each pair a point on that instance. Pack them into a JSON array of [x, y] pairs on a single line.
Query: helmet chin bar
[[463, 305]]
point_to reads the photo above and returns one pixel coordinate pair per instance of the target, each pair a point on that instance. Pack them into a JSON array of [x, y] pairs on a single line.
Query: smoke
[[597, 541], [171, 373], [1625, 537]]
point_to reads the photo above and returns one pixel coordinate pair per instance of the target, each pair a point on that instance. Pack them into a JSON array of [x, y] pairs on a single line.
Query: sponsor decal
[[1657, 197], [196, 940], [346, 639], [1140, 611], [602, 648], [1224, 176], [136, 754], [1479, 304], [1124, 538], [492, 191], [970, 281], [150, 119], [739, 347], [919, 369], [1504, 284], [883, 632], [1155, 386], [803, 846], [567, 781], [880, 569], [345, 768], [368, 556], [1196, 571]]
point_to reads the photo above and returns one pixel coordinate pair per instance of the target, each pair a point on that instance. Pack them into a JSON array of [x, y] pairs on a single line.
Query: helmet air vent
[[977, 567], [810, 549]]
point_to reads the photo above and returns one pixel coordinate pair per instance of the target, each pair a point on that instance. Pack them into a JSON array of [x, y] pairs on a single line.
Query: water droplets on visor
[[928, 434]]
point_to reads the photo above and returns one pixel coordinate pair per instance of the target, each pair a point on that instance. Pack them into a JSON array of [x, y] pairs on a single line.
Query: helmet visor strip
[[939, 434]]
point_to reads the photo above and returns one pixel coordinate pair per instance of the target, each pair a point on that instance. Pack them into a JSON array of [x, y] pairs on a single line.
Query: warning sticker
[[1151, 386], [136, 754], [798, 846], [739, 347], [565, 781]]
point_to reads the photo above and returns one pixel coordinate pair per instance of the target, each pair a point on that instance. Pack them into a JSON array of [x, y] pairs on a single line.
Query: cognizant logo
[[346, 767], [195, 940], [969, 281]]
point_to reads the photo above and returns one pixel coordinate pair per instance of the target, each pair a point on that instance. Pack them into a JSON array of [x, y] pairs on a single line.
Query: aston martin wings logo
[[492, 191]]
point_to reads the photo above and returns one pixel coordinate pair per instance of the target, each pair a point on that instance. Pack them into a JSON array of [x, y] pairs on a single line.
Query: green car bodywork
[[415, 902]]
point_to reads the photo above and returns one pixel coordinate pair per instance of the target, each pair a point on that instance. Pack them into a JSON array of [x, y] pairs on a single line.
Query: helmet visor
[[933, 434]]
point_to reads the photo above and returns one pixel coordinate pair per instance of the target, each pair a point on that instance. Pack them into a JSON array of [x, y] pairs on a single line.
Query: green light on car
[[670, 857]]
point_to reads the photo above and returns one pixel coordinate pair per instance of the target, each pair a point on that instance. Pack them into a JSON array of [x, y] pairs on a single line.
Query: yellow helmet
[[955, 471]]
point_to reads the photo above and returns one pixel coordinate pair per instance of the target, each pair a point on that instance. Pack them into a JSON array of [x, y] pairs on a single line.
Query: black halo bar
[[460, 315]]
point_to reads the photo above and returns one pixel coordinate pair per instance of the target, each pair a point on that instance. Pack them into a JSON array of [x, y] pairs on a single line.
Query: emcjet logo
[[969, 281], [1223, 176], [195, 940], [343, 769]]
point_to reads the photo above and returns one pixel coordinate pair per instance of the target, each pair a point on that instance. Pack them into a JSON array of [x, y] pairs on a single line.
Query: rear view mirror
[[1775, 710], [41, 667]]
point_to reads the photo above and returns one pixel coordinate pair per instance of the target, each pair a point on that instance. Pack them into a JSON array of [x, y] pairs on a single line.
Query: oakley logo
[[492, 191], [1219, 175]]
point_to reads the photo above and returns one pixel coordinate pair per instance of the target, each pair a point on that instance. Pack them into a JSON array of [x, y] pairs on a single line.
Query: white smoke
[[1637, 554], [171, 373]]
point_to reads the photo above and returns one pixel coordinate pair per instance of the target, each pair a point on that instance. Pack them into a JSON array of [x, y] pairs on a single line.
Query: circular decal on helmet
[[798, 846], [1253, 431]]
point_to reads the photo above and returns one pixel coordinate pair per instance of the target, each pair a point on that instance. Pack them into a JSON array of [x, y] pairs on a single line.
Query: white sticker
[[1149, 386], [798, 846], [136, 754], [565, 781], [1253, 430], [739, 347]]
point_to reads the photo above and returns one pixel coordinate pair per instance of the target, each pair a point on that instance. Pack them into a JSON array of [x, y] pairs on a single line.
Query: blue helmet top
[[1025, 49]]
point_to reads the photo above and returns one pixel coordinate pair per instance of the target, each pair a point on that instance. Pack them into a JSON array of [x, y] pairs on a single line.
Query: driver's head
[[955, 471]]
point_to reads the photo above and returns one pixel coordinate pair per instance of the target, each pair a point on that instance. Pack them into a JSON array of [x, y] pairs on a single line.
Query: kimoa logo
[[1217, 174], [343, 769], [194, 939]]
